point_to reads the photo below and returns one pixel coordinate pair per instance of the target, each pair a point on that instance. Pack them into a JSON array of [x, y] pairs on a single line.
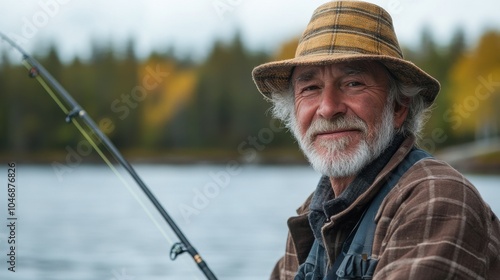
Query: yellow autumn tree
[[169, 89], [474, 98]]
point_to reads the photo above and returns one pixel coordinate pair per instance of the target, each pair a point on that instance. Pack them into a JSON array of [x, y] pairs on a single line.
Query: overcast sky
[[191, 26]]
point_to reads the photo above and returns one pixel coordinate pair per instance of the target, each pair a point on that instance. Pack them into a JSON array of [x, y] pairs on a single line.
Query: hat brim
[[274, 77]]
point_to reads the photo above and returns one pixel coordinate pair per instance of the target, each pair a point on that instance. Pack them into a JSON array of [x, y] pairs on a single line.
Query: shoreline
[[272, 158]]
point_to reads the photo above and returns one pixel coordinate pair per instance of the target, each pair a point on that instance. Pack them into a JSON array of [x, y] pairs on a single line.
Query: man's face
[[342, 118]]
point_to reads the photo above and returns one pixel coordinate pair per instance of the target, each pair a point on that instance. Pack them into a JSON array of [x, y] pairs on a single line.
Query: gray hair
[[418, 109], [401, 94]]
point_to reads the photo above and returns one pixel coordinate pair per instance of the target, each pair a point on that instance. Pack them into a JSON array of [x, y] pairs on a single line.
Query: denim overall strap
[[357, 263], [310, 270]]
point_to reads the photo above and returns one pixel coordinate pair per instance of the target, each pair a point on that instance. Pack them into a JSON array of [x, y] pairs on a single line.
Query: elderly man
[[383, 209]]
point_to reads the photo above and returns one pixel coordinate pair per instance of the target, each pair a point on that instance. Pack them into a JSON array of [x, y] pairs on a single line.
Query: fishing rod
[[37, 71]]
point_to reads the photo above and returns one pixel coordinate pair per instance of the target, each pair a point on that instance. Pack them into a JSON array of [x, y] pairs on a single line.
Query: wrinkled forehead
[[307, 72]]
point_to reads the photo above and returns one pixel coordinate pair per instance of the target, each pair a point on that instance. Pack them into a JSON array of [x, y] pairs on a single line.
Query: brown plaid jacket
[[432, 225]]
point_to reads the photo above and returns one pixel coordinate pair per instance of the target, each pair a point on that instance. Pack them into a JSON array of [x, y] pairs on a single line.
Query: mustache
[[343, 122]]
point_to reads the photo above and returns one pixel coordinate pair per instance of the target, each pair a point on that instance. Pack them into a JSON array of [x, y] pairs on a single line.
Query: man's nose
[[331, 103]]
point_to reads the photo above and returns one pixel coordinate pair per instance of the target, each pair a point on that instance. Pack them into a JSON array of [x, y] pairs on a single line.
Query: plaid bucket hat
[[342, 31]]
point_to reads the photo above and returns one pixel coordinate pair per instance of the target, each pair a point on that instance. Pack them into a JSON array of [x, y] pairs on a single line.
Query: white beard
[[334, 160]]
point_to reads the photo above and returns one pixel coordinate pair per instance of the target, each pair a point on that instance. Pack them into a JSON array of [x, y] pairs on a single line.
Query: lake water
[[84, 223]]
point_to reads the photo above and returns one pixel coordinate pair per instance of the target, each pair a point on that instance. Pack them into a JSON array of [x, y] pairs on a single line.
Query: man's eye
[[309, 88], [353, 84]]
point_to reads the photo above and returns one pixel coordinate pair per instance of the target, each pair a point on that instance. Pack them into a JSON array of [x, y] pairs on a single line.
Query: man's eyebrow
[[306, 75], [310, 74], [353, 70]]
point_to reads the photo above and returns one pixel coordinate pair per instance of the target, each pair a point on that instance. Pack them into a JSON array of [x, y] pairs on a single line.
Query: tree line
[[166, 105]]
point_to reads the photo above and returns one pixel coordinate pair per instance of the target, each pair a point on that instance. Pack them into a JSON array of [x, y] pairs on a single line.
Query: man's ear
[[401, 112]]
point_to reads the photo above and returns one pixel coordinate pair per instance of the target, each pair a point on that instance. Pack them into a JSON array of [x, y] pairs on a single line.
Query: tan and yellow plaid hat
[[343, 31]]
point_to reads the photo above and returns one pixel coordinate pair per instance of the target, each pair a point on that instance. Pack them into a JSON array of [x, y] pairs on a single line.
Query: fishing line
[[97, 149], [45, 86]]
